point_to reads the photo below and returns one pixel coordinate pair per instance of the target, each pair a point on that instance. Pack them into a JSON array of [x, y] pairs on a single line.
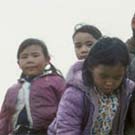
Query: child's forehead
[[109, 67], [33, 47]]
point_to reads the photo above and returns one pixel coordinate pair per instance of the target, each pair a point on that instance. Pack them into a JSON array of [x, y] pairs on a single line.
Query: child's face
[[82, 43], [32, 60], [108, 78]]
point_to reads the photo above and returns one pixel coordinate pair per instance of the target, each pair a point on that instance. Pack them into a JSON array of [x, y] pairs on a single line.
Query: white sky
[[53, 21]]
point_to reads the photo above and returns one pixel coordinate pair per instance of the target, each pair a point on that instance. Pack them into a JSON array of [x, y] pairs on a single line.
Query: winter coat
[[45, 94], [72, 108]]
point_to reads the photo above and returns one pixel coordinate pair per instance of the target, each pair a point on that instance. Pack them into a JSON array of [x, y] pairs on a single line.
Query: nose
[[109, 84], [84, 48], [29, 59]]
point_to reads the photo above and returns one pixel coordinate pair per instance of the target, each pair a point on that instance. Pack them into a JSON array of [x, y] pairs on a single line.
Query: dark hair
[[107, 51], [33, 41], [94, 31]]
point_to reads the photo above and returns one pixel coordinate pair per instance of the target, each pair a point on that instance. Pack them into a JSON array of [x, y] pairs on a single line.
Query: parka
[[45, 94], [72, 109]]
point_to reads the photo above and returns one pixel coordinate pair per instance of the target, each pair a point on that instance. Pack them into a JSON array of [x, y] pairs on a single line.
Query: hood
[[74, 76]]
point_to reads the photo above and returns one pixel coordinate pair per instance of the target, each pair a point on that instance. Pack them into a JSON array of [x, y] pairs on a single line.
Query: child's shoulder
[[53, 79], [53, 76], [130, 85], [12, 90]]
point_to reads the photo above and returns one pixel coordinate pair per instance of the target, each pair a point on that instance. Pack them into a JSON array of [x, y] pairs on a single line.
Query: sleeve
[[51, 95], [4, 118], [69, 115], [132, 106], [59, 86], [130, 118]]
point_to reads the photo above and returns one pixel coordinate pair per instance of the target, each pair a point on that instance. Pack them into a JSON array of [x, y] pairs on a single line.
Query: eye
[[118, 77], [78, 46], [104, 76], [23, 57], [36, 55], [89, 45]]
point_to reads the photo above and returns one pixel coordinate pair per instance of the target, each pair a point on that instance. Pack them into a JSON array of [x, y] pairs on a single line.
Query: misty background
[[53, 22]]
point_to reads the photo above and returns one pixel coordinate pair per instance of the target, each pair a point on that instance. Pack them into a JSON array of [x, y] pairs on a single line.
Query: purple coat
[[45, 94], [71, 112]]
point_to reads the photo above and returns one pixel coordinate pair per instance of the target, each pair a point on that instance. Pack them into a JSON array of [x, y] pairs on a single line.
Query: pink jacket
[[45, 94]]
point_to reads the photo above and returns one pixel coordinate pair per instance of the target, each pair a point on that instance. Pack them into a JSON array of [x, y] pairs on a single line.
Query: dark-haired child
[[98, 93], [84, 37], [31, 104]]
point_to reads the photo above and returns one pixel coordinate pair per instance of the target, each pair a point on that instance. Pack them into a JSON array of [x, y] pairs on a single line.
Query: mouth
[[31, 68], [83, 56]]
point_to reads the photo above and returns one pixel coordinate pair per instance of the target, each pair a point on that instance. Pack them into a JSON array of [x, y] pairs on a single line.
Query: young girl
[[31, 104], [98, 93], [84, 37]]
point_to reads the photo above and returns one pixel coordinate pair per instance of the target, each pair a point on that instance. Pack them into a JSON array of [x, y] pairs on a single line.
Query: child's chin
[[109, 92]]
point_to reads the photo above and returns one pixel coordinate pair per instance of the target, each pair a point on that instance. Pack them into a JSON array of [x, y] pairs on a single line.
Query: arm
[[4, 118], [59, 86], [69, 115], [130, 120], [132, 107]]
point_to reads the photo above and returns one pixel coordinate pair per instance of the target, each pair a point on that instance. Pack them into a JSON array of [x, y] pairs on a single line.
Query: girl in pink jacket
[[31, 104]]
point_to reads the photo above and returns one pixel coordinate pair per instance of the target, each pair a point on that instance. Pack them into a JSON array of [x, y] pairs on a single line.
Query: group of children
[[96, 98]]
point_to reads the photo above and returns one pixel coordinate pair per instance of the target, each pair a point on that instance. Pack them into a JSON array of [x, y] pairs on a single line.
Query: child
[[97, 95], [84, 37], [31, 104]]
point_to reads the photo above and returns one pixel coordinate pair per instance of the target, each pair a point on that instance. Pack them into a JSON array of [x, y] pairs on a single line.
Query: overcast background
[[53, 22]]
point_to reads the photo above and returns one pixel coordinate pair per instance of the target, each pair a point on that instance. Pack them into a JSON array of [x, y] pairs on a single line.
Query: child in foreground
[[31, 104], [98, 93]]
